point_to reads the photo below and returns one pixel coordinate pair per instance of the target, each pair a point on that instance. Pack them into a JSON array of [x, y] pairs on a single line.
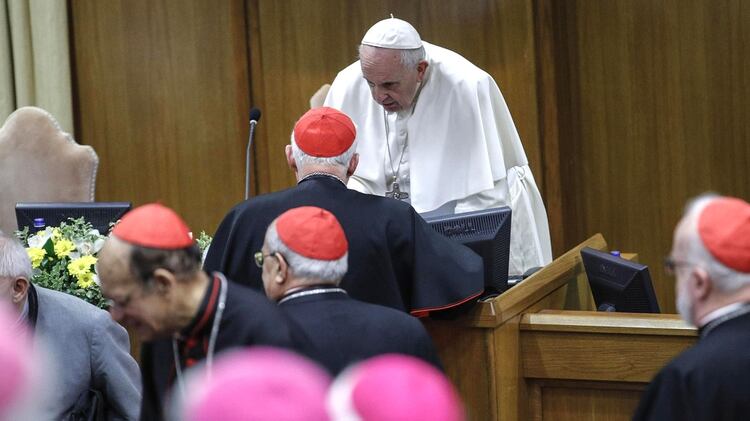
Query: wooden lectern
[[533, 354]]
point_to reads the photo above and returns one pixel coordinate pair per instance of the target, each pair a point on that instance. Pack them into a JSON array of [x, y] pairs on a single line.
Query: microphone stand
[[247, 158]]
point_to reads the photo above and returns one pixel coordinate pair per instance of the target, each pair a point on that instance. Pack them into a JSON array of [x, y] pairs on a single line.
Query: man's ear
[[352, 165], [283, 273], [421, 69], [290, 158], [700, 283], [163, 281], [20, 289]]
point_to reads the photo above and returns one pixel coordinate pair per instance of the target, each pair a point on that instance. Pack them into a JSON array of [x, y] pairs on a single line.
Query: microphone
[[254, 118]]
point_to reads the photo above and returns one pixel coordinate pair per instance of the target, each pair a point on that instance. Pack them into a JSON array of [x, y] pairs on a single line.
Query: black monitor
[[487, 232], [98, 214], [618, 284]]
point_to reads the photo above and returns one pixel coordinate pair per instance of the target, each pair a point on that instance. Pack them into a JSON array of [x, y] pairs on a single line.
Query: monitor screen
[[99, 214], [487, 232], [618, 284]]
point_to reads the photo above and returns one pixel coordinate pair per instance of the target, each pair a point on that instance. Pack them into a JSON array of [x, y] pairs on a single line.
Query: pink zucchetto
[[155, 226], [724, 228], [260, 383], [394, 387]]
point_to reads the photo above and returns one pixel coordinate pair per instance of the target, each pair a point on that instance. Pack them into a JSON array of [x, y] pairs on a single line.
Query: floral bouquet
[[63, 259]]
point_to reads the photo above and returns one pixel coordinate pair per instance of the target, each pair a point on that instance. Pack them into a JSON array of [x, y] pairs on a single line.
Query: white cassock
[[456, 150]]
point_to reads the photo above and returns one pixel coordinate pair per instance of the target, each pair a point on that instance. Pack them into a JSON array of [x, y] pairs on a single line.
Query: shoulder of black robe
[[335, 323], [708, 381], [395, 258], [250, 318]]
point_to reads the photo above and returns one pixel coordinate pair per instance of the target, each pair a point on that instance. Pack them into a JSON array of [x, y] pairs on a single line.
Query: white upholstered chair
[[41, 163]]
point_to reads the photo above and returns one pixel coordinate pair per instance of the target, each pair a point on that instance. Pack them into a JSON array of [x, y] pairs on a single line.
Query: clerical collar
[[312, 290], [321, 174], [205, 312], [726, 313]]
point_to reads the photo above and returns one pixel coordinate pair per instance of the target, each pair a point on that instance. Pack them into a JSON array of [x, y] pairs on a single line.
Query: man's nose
[[380, 94]]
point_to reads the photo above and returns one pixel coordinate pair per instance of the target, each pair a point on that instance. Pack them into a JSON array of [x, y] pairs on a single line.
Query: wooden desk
[[581, 365], [512, 361]]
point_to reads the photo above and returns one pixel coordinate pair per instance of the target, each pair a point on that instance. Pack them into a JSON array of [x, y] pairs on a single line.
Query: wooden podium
[[533, 354]]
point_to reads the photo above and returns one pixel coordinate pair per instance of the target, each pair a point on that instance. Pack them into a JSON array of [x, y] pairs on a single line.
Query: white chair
[[41, 163]]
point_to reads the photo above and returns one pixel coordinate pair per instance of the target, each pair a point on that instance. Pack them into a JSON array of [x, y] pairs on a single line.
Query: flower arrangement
[[63, 258]]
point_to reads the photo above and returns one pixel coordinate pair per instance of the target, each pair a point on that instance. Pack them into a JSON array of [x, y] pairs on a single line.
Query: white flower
[[84, 247], [98, 244], [39, 239]]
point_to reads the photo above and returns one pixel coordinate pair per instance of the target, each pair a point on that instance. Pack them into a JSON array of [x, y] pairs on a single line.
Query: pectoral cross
[[396, 193]]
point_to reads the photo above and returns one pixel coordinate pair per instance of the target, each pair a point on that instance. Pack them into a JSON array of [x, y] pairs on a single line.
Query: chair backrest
[[319, 96], [41, 163]]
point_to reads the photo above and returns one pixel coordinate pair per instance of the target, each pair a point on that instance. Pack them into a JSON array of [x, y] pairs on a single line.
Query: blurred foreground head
[[394, 387], [259, 383]]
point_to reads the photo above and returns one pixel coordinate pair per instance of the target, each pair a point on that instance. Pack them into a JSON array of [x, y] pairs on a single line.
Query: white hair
[[340, 161], [14, 261], [725, 279], [409, 58], [328, 271]]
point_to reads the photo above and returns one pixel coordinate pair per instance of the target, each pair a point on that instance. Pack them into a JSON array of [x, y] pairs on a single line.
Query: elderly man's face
[[392, 85], [682, 270], [133, 305]]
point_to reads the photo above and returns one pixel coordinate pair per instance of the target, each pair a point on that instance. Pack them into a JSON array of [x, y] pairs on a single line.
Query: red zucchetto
[[724, 228], [324, 132], [154, 226], [313, 233]]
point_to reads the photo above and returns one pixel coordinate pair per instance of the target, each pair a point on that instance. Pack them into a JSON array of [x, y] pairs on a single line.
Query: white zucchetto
[[393, 33]]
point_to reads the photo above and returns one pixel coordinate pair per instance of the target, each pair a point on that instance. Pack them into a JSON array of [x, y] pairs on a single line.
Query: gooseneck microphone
[[254, 118]]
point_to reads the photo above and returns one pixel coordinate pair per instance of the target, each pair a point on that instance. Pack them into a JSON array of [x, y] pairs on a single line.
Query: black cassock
[[710, 381], [249, 318], [395, 258], [343, 331]]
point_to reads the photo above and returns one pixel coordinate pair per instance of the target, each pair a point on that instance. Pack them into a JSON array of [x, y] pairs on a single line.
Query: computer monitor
[[618, 284], [98, 214], [487, 232]]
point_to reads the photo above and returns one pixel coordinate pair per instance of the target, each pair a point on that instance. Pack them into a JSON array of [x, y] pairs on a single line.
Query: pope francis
[[434, 130]]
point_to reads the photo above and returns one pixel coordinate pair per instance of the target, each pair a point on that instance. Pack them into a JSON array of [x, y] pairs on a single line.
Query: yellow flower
[[81, 265], [36, 255], [85, 280], [63, 247], [56, 234]]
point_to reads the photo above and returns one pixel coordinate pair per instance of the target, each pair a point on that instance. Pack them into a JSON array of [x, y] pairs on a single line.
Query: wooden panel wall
[[302, 45], [650, 103], [626, 108], [161, 91]]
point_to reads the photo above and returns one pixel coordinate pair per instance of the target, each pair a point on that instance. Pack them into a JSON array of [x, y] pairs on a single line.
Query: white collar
[[721, 312]]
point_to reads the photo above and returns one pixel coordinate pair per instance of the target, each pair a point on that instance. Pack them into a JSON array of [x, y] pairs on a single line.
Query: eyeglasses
[[259, 258], [671, 265]]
